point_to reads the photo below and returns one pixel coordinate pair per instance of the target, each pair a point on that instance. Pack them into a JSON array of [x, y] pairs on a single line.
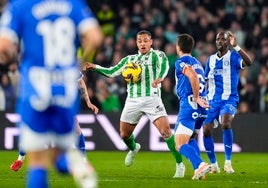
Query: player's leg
[[226, 117], [69, 160], [198, 125], [163, 127], [193, 142], [209, 142], [182, 137], [17, 164], [37, 156], [81, 138], [208, 125], [126, 131], [130, 116], [227, 134], [37, 174]]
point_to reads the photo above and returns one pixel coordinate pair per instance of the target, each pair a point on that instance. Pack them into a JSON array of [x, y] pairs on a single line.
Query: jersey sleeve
[[180, 65], [114, 70], [235, 57], [164, 65], [207, 69]]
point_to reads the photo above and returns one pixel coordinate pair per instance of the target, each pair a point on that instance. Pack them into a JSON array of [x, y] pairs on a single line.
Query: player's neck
[[221, 53], [184, 54]]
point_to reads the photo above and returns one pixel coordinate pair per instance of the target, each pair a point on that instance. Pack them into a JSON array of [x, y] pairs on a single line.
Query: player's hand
[[156, 82], [232, 38], [88, 65], [202, 102], [93, 108]]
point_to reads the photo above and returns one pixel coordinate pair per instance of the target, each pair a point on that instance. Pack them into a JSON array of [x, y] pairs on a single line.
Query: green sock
[[130, 142], [171, 145]]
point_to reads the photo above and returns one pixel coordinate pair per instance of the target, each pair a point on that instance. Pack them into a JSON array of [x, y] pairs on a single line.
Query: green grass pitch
[[150, 170]]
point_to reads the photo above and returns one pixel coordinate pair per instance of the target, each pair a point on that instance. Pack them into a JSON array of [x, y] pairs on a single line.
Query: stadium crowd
[[120, 21]]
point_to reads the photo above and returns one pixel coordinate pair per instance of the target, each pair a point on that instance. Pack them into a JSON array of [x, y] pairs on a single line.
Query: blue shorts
[[53, 126], [190, 117], [219, 108]]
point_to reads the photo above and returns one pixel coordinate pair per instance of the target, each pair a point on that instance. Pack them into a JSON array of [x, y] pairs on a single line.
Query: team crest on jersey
[[226, 63], [161, 55]]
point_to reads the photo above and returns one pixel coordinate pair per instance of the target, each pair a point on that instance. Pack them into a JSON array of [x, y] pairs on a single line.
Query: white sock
[[21, 158]]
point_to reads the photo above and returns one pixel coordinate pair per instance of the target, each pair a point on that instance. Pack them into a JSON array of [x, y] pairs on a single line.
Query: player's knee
[[226, 126], [124, 135], [165, 133], [194, 135], [207, 132]]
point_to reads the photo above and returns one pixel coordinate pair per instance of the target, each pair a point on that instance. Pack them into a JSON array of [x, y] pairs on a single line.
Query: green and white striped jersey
[[154, 65]]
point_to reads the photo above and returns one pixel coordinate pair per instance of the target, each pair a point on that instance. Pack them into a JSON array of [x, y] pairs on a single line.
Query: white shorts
[[135, 107], [32, 141], [181, 129]]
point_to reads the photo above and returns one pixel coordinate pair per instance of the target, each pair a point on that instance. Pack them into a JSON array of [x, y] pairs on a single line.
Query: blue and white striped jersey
[[222, 74]]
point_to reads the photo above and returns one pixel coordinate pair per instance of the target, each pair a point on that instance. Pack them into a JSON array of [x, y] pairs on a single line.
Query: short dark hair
[[144, 32], [185, 42]]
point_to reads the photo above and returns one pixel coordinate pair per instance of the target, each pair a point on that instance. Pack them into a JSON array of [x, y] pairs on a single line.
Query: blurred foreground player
[[16, 165], [49, 32]]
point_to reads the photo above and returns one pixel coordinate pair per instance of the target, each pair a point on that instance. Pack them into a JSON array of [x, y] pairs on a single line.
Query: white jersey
[[154, 64]]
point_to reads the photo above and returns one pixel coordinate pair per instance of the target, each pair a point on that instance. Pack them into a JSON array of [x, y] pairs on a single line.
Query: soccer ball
[[132, 72]]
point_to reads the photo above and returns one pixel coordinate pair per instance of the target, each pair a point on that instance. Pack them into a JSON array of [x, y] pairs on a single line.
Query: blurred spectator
[[253, 37], [159, 39], [241, 16], [158, 17], [108, 47], [13, 74], [107, 17], [254, 69], [170, 34], [182, 13], [171, 54], [92, 98], [136, 16], [124, 33], [253, 10], [9, 91], [243, 108], [131, 47], [238, 32], [109, 102], [261, 95], [264, 52], [168, 96], [2, 100]]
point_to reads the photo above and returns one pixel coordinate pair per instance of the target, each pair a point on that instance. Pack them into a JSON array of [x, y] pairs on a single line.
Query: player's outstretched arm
[[84, 93], [88, 65]]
